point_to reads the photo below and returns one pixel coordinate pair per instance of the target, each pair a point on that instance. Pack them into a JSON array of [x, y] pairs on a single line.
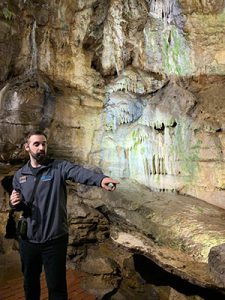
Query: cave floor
[[9, 267], [11, 281]]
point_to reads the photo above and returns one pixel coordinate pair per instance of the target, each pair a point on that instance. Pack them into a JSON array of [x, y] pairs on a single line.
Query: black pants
[[52, 255]]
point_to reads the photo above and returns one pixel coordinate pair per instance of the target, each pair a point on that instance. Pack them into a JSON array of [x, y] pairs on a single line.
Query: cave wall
[[134, 87]]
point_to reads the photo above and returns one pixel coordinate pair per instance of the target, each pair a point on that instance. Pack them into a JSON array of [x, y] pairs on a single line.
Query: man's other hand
[[15, 198]]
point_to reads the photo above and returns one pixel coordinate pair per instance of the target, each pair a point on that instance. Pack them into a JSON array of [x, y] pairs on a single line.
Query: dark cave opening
[[151, 273]]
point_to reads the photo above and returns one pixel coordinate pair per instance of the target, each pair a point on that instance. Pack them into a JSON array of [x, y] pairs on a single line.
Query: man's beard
[[39, 157]]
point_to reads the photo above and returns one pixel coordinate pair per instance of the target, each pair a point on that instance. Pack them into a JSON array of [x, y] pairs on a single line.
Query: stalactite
[[136, 82], [113, 50], [163, 9], [121, 110], [34, 51]]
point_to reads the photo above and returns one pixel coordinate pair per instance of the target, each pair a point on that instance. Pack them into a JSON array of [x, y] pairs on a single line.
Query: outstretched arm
[[77, 173], [109, 184]]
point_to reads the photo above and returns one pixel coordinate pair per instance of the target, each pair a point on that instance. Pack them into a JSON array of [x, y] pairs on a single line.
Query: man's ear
[[26, 147]]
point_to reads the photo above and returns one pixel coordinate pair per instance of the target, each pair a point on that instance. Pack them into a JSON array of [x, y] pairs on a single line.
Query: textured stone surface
[[176, 232], [216, 260]]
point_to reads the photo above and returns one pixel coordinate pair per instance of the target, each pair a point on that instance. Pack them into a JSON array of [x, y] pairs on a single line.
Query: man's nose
[[41, 147]]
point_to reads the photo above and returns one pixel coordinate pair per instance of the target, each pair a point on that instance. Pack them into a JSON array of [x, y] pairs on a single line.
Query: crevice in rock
[[174, 124], [151, 273], [160, 128]]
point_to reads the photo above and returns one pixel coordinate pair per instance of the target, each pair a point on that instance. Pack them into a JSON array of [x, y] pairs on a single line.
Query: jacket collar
[[26, 169]]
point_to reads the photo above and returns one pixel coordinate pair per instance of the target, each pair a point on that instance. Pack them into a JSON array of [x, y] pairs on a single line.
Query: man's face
[[36, 146]]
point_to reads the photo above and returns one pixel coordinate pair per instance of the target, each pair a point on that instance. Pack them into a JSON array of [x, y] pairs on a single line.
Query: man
[[46, 215]]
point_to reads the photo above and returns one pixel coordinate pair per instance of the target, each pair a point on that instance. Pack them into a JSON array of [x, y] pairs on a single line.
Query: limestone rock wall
[[135, 87]]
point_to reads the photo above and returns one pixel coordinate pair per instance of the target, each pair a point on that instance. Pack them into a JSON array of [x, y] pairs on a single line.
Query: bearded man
[[39, 190]]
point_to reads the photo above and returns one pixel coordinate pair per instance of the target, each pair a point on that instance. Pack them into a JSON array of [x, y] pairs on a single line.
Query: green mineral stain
[[175, 53], [186, 152], [169, 50], [184, 234], [134, 140], [7, 11], [199, 209]]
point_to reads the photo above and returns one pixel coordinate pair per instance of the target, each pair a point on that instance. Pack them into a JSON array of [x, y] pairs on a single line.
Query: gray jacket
[[48, 218]]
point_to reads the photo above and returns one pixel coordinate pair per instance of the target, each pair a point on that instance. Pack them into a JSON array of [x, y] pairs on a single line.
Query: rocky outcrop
[[173, 235], [173, 223]]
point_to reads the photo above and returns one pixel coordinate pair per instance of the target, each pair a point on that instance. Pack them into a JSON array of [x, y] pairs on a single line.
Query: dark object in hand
[[11, 226], [22, 228]]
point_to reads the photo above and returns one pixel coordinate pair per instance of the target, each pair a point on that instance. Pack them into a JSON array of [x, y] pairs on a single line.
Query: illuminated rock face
[[166, 144], [134, 87]]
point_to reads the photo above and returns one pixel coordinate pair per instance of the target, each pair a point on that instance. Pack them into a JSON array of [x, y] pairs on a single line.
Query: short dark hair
[[34, 132]]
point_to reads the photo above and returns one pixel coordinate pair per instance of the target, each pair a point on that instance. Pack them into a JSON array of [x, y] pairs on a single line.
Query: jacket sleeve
[[16, 184], [80, 174]]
